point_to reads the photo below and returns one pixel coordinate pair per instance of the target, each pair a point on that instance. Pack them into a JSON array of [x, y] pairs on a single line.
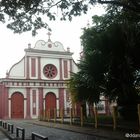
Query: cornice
[[32, 50], [32, 80]]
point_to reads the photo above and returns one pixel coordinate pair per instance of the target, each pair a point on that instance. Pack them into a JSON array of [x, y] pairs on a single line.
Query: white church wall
[[13, 90], [55, 91], [17, 70]]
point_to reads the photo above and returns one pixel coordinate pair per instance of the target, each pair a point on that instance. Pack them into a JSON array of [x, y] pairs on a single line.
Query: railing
[[35, 135], [4, 125], [11, 128], [22, 130], [78, 116], [0, 122]]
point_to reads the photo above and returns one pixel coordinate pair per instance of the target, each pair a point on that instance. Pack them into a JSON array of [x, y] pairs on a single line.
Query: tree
[[27, 15], [111, 58]]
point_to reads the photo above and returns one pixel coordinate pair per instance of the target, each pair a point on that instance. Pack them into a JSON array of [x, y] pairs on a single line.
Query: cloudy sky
[[68, 33]]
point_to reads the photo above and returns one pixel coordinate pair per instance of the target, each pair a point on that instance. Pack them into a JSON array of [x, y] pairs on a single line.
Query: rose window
[[50, 71]]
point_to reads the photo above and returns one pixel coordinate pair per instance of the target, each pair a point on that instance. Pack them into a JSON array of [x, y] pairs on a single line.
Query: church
[[37, 82]]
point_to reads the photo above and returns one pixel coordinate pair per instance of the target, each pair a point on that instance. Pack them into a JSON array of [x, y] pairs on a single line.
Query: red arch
[[50, 103], [17, 105]]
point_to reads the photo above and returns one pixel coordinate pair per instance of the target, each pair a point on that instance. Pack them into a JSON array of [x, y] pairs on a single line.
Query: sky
[[68, 33]]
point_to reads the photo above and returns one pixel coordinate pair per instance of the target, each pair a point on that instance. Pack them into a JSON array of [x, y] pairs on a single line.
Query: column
[[6, 103], [40, 101], [27, 67], [28, 104], [60, 68], [71, 68], [61, 98], [39, 68]]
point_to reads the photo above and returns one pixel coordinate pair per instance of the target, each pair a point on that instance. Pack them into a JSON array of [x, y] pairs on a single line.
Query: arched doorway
[[50, 103], [17, 105]]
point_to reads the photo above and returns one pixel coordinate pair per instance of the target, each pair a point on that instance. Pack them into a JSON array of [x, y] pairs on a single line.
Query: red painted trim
[[33, 67], [27, 68], [71, 66], [61, 98], [39, 68], [40, 101], [65, 69], [60, 66], [28, 115], [34, 102]]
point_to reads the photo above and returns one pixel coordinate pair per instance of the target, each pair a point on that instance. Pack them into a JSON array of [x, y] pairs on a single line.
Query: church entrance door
[[50, 103], [17, 105]]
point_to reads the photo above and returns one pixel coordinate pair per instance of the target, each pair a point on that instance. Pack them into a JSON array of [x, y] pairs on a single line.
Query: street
[[2, 136], [51, 133]]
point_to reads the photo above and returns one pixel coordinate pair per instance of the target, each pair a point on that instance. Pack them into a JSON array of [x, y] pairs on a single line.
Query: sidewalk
[[104, 133]]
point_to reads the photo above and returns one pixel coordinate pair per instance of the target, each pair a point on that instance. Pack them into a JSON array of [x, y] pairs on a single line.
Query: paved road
[[2, 136], [52, 133]]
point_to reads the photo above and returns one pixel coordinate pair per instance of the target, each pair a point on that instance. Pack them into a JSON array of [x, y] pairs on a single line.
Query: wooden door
[[17, 105], [51, 103]]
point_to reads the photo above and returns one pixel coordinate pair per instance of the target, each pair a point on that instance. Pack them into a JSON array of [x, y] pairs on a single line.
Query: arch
[[50, 101], [17, 105]]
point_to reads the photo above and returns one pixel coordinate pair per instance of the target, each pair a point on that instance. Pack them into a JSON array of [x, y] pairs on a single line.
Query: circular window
[[50, 71]]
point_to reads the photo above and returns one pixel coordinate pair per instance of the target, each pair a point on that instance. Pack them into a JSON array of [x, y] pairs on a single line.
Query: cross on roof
[[49, 34]]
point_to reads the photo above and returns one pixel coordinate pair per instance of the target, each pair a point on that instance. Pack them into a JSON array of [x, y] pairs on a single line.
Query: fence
[[73, 116], [78, 117]]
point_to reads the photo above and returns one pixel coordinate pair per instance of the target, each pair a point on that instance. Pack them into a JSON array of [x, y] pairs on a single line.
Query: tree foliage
[[26, 15], [111, 58]]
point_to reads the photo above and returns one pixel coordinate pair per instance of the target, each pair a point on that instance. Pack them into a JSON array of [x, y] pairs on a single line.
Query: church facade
[[37, 82]]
